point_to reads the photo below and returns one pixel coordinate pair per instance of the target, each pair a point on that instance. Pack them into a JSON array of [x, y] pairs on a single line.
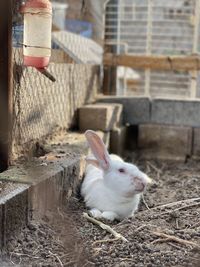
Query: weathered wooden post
[[5, 82]]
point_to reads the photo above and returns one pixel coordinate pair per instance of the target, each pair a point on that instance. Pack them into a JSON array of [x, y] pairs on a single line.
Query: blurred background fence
[[154, 27]]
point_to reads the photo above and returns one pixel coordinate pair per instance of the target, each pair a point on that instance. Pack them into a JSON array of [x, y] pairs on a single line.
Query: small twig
[[148, 168], [105, 240], [60, 213], [175, 239], [125, 259], [195, 225], [145, 203], [171, 204], [105, 227], [154, 167], [70, 263], [181, 208], [160, 240], [56, 256], [90, 263], [65, 255], [177, 225], [26, 255], [20, 259], [175, 246], [97, 251], [140, 227]]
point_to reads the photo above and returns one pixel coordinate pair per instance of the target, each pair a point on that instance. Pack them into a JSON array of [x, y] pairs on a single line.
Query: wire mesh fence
[[155, 27], [145, 27], [39, 105]]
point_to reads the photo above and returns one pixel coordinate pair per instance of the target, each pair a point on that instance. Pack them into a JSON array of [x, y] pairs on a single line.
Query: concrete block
[[117, 114], [132, 138], [177, 112], [135, 109], [164, 141], [118, 140], [196, 143], [101, 117]]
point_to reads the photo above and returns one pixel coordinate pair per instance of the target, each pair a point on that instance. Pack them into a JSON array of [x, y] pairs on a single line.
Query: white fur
[[109, 193]]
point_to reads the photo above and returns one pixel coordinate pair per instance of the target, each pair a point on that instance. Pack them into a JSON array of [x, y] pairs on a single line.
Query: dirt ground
[[65, 238]]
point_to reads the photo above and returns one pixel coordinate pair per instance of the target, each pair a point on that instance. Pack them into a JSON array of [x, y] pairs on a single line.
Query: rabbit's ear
[[92, 161], [98, 149]]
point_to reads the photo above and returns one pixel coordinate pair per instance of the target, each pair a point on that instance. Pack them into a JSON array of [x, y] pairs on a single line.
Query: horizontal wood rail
[[154, 62]]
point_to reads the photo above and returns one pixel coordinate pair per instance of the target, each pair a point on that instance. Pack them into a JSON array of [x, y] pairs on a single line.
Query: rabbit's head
[[122, 178]]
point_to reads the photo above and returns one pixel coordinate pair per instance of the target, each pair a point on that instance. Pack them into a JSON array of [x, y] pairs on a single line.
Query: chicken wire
[[40, 106], [155, 27]]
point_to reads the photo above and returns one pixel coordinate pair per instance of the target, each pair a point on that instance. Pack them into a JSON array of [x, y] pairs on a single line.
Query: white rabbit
[[111, 188]]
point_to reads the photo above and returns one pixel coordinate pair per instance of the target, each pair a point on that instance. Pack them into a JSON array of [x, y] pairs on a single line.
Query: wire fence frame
[[151, 27]]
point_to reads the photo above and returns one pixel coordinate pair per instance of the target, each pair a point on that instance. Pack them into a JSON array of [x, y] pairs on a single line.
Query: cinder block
[[164, 141], [117, 140], [196, 143], [117, 113], [177, 112], [132, 138], [101, 117], [136, 110]]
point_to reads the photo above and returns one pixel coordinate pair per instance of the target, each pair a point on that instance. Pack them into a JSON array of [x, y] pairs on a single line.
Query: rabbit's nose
[[139, 185]]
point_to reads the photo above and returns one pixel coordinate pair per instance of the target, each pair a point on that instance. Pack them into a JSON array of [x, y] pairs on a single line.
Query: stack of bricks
[[106, 120], [168, 129]]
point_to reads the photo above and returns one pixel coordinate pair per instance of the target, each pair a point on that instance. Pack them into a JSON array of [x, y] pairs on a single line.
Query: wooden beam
[[109, 81], [5, 81], [109, 77], [154, 62]]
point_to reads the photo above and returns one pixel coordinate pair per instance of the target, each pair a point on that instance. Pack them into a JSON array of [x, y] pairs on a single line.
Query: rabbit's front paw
[[109, 215], [95, 213]]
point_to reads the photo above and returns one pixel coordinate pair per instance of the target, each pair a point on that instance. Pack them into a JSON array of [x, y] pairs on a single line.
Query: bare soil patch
[[160, 234]]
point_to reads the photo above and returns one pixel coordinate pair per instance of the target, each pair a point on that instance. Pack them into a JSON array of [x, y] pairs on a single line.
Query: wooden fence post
[[194, 73], [5, 82]]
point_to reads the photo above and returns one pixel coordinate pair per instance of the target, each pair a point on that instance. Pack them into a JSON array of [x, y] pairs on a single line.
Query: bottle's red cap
[[46, 4]]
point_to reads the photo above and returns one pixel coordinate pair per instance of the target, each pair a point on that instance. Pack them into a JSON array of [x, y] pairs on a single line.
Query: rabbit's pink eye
[[121, 170]]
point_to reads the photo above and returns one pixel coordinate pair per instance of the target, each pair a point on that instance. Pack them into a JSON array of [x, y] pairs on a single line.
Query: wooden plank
[[109, 81], [148, 48], [194, 73], [154, 62], [5, 81]]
